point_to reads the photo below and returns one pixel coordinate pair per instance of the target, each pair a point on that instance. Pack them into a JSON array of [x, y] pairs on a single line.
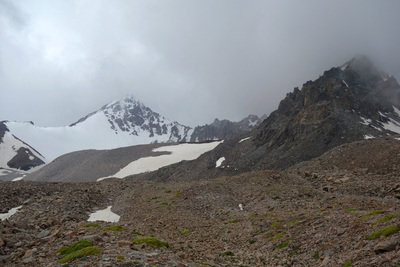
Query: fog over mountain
[[190, 61]]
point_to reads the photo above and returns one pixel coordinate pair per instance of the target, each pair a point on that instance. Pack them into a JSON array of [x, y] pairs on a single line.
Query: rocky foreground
[[326, 212]]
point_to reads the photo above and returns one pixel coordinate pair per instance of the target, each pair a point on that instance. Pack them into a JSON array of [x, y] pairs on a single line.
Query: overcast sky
[[191, 61]]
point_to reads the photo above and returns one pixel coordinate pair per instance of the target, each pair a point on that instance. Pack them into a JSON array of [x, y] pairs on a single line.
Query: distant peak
[[130, 98], [364, 66], [361, 62]]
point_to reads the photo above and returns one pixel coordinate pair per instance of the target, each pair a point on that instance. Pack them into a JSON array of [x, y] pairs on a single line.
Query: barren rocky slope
[[89, 165], [310, 215]]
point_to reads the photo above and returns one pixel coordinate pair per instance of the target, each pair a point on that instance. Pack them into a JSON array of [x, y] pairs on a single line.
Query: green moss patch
[[88, 251], [150, 241], [274, 225], [348, 263], [349, 209], [233, 221], [185, 232], [114, 228], [227, 253], [385, 218], [75, 247], [371, 212], [91, 225], [276, 237], [385, 231], [136, 233], [281, 245]]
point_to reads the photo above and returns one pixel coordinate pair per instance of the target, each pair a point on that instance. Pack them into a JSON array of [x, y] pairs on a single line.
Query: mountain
[[225, 129], [122, 123], [96, 165], [16, 154], [348, 103]]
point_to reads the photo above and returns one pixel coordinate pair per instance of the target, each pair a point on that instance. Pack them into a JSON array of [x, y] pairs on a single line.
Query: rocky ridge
[[349, 103]]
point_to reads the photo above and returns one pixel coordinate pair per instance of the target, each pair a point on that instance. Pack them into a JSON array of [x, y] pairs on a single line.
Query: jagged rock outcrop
[[348, 103], [225, 129]]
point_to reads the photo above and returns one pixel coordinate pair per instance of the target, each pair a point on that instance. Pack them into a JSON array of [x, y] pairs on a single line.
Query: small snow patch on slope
[[244, 139], [396, 111], [178, 153], [104, 215], [219, 162], [10, 213], [368, 136], [391, 125]]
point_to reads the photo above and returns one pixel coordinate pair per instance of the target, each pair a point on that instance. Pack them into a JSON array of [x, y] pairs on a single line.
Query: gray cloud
[[191, 61]]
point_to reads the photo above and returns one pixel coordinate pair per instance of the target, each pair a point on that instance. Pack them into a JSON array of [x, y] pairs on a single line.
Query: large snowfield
[[93, 133], [178, 153]]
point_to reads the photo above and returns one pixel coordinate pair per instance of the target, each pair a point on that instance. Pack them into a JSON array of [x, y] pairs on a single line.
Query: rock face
[[345, 104], [348, 103], [225, 129]]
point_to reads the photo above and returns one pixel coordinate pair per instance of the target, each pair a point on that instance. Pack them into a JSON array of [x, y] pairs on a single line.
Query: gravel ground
[[305, 216]]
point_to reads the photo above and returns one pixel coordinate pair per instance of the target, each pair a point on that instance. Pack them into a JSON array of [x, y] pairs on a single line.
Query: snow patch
[[244, 139], [178, 153], [391, 125], [18, 178], [396, 111], [365, 121], [344, 67], [219, 162], [241, 206], [345, 83], [367, 136], [11, 212], [104, 215]]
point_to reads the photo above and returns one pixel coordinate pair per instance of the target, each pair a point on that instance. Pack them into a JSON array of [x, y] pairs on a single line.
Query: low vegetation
[[88, 251], [385, 231], [75, 247], [91, 225], [385, 218], [114, 228], [185, 232], [150, 241]]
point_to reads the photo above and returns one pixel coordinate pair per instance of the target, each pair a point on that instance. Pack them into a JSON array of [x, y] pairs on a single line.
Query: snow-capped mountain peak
[[122, 123]]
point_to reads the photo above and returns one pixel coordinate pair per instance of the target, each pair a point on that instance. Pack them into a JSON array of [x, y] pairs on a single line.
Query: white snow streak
[[10, 213], [18, 178], [178, 153], [219, 162], [396, 111], [368, 136], [391, 125], [244, 139], [104, 215], [345, 83]]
